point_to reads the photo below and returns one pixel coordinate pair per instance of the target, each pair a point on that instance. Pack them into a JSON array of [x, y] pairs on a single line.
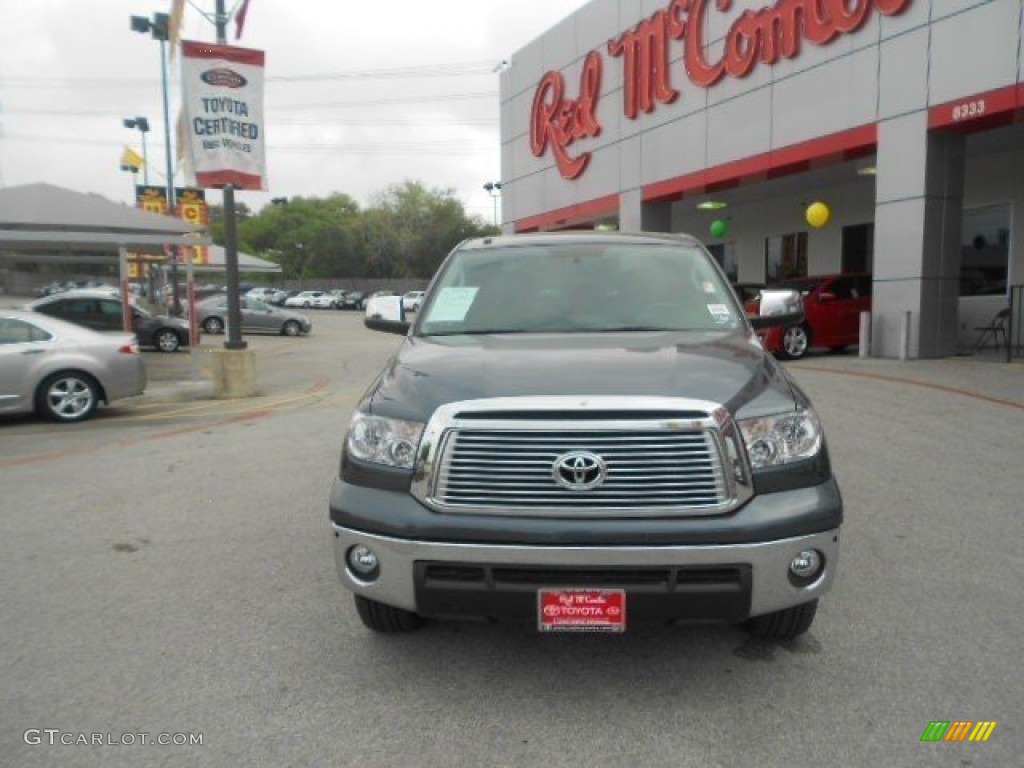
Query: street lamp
[[143, 125], [494, 190], [158, 28], [134, 171]]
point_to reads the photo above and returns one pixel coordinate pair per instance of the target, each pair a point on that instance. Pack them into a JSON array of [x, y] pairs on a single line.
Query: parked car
[[412, 300], [352, 300], [311, 299], [257, 317], [832, 305], [61, 370], [261, 293], [101, 310], [579, 464]]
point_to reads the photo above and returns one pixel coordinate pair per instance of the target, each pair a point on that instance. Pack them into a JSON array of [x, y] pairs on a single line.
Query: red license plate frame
[[572, 609]]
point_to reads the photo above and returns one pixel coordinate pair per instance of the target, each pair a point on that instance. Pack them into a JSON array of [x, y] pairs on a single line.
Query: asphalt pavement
[[168, 570]]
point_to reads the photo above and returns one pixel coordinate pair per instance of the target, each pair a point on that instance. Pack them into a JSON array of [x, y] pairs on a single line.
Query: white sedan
[[315, 299]]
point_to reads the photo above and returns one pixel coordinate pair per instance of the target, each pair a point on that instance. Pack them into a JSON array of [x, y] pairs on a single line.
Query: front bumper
[[762, 584]]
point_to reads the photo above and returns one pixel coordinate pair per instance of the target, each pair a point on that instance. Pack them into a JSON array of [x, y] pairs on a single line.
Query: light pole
[[143, 125], [234, 339], [158, 28], [135, 175], [494, 190]]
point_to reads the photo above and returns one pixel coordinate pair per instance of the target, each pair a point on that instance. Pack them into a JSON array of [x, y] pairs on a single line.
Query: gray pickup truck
[[581, 431]]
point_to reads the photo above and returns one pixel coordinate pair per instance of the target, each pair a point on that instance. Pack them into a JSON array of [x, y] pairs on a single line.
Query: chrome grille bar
[[660, 457], [513, 469]]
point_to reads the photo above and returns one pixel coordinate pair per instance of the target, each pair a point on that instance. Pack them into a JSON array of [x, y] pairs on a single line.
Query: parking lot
[[169, 570]]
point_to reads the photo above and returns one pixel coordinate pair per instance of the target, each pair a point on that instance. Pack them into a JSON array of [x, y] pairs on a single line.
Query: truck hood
[[730, 369]]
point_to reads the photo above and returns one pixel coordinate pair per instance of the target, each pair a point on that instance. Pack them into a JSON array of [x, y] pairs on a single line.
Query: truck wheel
[[386, 618], [785, 624]]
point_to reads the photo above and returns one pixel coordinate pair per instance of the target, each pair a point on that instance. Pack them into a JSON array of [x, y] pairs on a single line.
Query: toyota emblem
[[579, 470]]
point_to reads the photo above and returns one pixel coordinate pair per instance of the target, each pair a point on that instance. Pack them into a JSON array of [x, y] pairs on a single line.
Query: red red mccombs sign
[[756, 37]]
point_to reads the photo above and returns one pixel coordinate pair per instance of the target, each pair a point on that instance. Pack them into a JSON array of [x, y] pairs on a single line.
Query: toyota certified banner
[[223, 115]]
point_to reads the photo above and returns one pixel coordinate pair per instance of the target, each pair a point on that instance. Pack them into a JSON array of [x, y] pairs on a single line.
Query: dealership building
[[730, 119]]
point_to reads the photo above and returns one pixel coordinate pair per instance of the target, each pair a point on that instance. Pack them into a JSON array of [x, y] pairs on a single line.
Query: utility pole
[[234, 329], [158, 28]]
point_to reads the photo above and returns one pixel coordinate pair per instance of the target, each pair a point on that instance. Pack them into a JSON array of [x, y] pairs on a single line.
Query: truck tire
[[386, 618], [785, 624]]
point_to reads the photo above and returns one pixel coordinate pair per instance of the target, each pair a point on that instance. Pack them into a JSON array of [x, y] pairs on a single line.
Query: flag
[[131, 159], [240, 18], [174, 25], [183, 162]]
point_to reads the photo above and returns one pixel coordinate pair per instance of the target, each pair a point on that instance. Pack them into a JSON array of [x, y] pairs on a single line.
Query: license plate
[[581, 610]]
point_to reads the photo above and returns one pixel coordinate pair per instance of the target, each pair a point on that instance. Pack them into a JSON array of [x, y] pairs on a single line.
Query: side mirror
[[386, 313], [826, 296], [778, 308]]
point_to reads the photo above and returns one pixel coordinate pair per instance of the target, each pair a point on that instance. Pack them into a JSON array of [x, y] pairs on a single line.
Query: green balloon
[[719, 227]]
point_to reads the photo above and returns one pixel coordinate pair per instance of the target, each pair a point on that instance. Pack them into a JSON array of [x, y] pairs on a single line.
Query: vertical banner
[[223, 114], [192, 208]]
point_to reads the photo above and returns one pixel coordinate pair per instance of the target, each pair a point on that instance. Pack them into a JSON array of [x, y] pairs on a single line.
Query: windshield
[[580, 286]]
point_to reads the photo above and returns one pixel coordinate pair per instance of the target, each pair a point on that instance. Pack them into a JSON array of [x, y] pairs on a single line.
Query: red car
[[832, 307]]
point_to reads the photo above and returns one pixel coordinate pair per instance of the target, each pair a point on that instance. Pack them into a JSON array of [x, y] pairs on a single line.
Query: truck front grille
[[513, 471]]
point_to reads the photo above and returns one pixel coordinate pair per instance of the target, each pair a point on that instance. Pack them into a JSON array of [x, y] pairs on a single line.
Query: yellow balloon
[[818, 215]]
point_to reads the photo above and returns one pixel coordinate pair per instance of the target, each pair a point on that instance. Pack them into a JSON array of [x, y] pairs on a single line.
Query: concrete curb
[[175, 392]]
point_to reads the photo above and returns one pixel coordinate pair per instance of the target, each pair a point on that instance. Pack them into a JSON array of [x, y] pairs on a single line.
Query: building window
[[785, 256], [858, 248], [728, 259], [984, 251]]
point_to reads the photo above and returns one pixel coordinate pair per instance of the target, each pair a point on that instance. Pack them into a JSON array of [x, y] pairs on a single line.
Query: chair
[[996, 327]]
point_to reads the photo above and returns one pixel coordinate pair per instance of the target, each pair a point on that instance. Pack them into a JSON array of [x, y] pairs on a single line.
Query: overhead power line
[[445, 146], [464, 69], [367, 121]]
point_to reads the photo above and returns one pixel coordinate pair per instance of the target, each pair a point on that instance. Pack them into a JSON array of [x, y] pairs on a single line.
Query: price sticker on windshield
[[452, 304], [719, 313]]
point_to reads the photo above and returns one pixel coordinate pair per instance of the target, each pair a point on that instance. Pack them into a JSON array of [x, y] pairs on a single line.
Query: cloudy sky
[[359, 94]]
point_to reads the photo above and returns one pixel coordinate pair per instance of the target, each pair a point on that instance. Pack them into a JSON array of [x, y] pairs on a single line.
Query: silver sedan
[[257, 317], [61, 370]]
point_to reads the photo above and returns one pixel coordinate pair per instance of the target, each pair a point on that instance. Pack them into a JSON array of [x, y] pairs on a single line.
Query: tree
[[423, 226], [407, 232]]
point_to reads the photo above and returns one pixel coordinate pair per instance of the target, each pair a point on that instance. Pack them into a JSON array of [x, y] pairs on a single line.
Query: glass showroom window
[[728, 259], [984, 251], [858, 247], [785, 256]]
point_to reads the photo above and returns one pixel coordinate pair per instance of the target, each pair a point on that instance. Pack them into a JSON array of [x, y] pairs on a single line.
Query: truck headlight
[[775, 440], [384, 441]]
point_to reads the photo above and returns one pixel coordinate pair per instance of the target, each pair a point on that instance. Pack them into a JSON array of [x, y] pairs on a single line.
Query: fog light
[[363, 561], [806, 565]]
